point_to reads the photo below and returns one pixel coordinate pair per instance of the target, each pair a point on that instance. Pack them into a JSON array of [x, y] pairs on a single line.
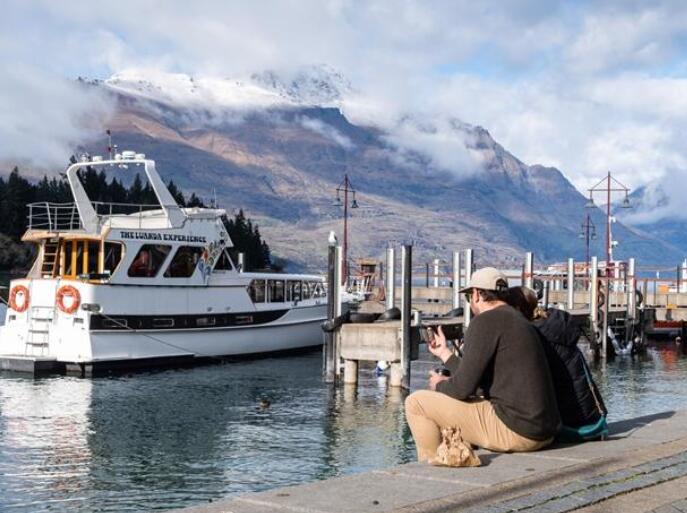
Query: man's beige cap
[[487, 278]]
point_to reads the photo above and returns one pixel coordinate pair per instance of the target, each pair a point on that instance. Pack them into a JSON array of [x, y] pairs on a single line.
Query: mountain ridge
[[441, 183]]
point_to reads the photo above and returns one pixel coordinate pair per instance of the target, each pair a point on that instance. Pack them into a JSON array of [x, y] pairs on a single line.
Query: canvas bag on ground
[[454, 451]]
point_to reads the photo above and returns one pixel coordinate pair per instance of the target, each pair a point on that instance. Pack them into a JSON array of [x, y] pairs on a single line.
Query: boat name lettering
[[163, 236]]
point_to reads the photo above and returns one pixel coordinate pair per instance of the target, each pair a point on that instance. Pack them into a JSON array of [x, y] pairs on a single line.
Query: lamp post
[[345, 187], [609, 185], [588, 233]]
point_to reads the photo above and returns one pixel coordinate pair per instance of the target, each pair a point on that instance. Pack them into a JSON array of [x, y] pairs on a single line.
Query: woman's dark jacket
[[576, 403]]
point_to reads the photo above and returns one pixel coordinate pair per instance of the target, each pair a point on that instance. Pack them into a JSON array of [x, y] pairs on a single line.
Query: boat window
[[73, 252], [306, 290], [293, 290], [224, 262], [276, 291], [163, 323], [112, 257], [148, 260], [256, 290], [317, 289], [184, 262], [205, 321]]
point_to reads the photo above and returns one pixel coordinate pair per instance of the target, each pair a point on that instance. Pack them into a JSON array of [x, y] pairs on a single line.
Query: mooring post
[[529, 269], [390, 278], [545, 296], [329, 355], [406, 317], [456, 279], [242, 262], [631, 290], [594, 303], [467, 313], [426, 274], [435, 266], [678, 275], [571, 284], [338, 307]]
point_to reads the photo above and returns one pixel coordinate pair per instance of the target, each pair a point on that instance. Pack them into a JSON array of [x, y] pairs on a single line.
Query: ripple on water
[[163, 440]]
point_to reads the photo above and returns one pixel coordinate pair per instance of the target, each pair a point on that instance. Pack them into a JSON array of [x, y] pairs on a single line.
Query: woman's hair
[[525, 300]]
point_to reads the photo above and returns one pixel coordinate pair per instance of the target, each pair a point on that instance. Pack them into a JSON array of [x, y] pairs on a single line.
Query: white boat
[[149, 287]]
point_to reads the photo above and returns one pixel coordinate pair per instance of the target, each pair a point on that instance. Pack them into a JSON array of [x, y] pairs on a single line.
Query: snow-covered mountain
[[316, 86], [278, 147]]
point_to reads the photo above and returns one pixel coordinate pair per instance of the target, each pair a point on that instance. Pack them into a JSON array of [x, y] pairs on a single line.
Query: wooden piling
[[329, 354], [456, 279], [545, 296], [390, 277], [529, 269], [467, 313], [435, 269], [631, 290], [594, 302], [350, 372], [571, 284], [407, 269], [338, 307]]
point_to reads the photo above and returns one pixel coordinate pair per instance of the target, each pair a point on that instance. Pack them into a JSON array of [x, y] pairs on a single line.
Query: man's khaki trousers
[[428, 412]]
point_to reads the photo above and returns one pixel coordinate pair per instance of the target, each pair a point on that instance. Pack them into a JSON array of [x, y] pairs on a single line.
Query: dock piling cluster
[[606, 299]]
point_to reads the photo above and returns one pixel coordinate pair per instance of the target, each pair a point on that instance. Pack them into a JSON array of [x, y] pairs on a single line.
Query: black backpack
[[579, 400]]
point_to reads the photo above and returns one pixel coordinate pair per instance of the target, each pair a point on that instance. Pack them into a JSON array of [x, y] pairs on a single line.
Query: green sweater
[[504, 359]]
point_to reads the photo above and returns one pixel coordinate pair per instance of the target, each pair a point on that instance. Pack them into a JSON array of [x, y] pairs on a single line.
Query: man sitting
[[500, 392]]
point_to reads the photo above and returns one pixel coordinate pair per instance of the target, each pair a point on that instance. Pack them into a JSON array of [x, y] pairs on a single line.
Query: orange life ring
[[19, 298], [68, 299]]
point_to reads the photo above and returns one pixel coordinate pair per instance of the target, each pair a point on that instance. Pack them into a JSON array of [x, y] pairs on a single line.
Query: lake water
[[162, 440]]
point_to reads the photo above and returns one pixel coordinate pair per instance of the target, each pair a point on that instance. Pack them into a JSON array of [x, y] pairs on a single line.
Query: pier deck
[[641, 468]]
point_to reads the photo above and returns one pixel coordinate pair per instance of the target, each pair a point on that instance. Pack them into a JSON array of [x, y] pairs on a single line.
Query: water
[[163, 440]]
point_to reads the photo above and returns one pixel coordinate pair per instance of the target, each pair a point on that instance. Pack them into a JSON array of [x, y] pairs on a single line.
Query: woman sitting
[[580, 405]]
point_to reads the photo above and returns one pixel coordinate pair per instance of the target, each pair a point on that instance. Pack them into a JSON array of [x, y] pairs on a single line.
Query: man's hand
[[434, 379], [437, 344]]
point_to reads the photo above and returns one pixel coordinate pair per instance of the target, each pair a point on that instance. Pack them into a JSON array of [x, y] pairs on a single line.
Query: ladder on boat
[[37, 341], [50, 258]]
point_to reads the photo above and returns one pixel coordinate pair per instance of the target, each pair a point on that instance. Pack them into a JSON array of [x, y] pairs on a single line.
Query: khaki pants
[[428, 412]]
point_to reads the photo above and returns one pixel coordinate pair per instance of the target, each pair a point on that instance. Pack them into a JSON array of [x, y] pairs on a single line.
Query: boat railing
[[56, 217], [53, 216]]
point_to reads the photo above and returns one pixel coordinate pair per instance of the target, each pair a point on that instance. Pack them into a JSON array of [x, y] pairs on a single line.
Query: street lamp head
[[626, 202], [354, 203], [590, 202], [581, 235], [337, 202]]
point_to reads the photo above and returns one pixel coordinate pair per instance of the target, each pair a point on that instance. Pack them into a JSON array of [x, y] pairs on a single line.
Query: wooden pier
[[641, 468], [616, 309]]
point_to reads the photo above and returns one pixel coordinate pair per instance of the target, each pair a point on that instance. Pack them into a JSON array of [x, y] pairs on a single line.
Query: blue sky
[[583, 86]]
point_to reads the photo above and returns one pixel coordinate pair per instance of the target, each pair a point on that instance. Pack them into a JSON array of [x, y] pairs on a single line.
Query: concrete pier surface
[[642, 467]]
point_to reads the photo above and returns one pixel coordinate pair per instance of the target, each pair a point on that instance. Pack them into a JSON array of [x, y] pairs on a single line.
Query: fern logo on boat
[[211, 253]]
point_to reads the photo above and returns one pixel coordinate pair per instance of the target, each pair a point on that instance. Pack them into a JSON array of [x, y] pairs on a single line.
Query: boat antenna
[[214, 198]]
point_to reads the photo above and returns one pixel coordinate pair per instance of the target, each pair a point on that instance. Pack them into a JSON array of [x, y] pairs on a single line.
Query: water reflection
[[169, 439], [45, 453]]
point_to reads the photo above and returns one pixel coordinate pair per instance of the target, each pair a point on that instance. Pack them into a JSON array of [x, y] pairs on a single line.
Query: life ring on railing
[[68, 299], [19, 298]]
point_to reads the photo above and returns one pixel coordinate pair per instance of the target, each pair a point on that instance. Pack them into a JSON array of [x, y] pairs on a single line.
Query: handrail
[[55, 217]]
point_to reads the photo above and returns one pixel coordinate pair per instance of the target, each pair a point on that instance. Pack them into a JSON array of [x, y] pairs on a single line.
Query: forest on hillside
[[16, 192]]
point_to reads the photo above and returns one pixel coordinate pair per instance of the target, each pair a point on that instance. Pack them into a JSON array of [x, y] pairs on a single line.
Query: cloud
[[586, 87], [327, 131], [45, 118]]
